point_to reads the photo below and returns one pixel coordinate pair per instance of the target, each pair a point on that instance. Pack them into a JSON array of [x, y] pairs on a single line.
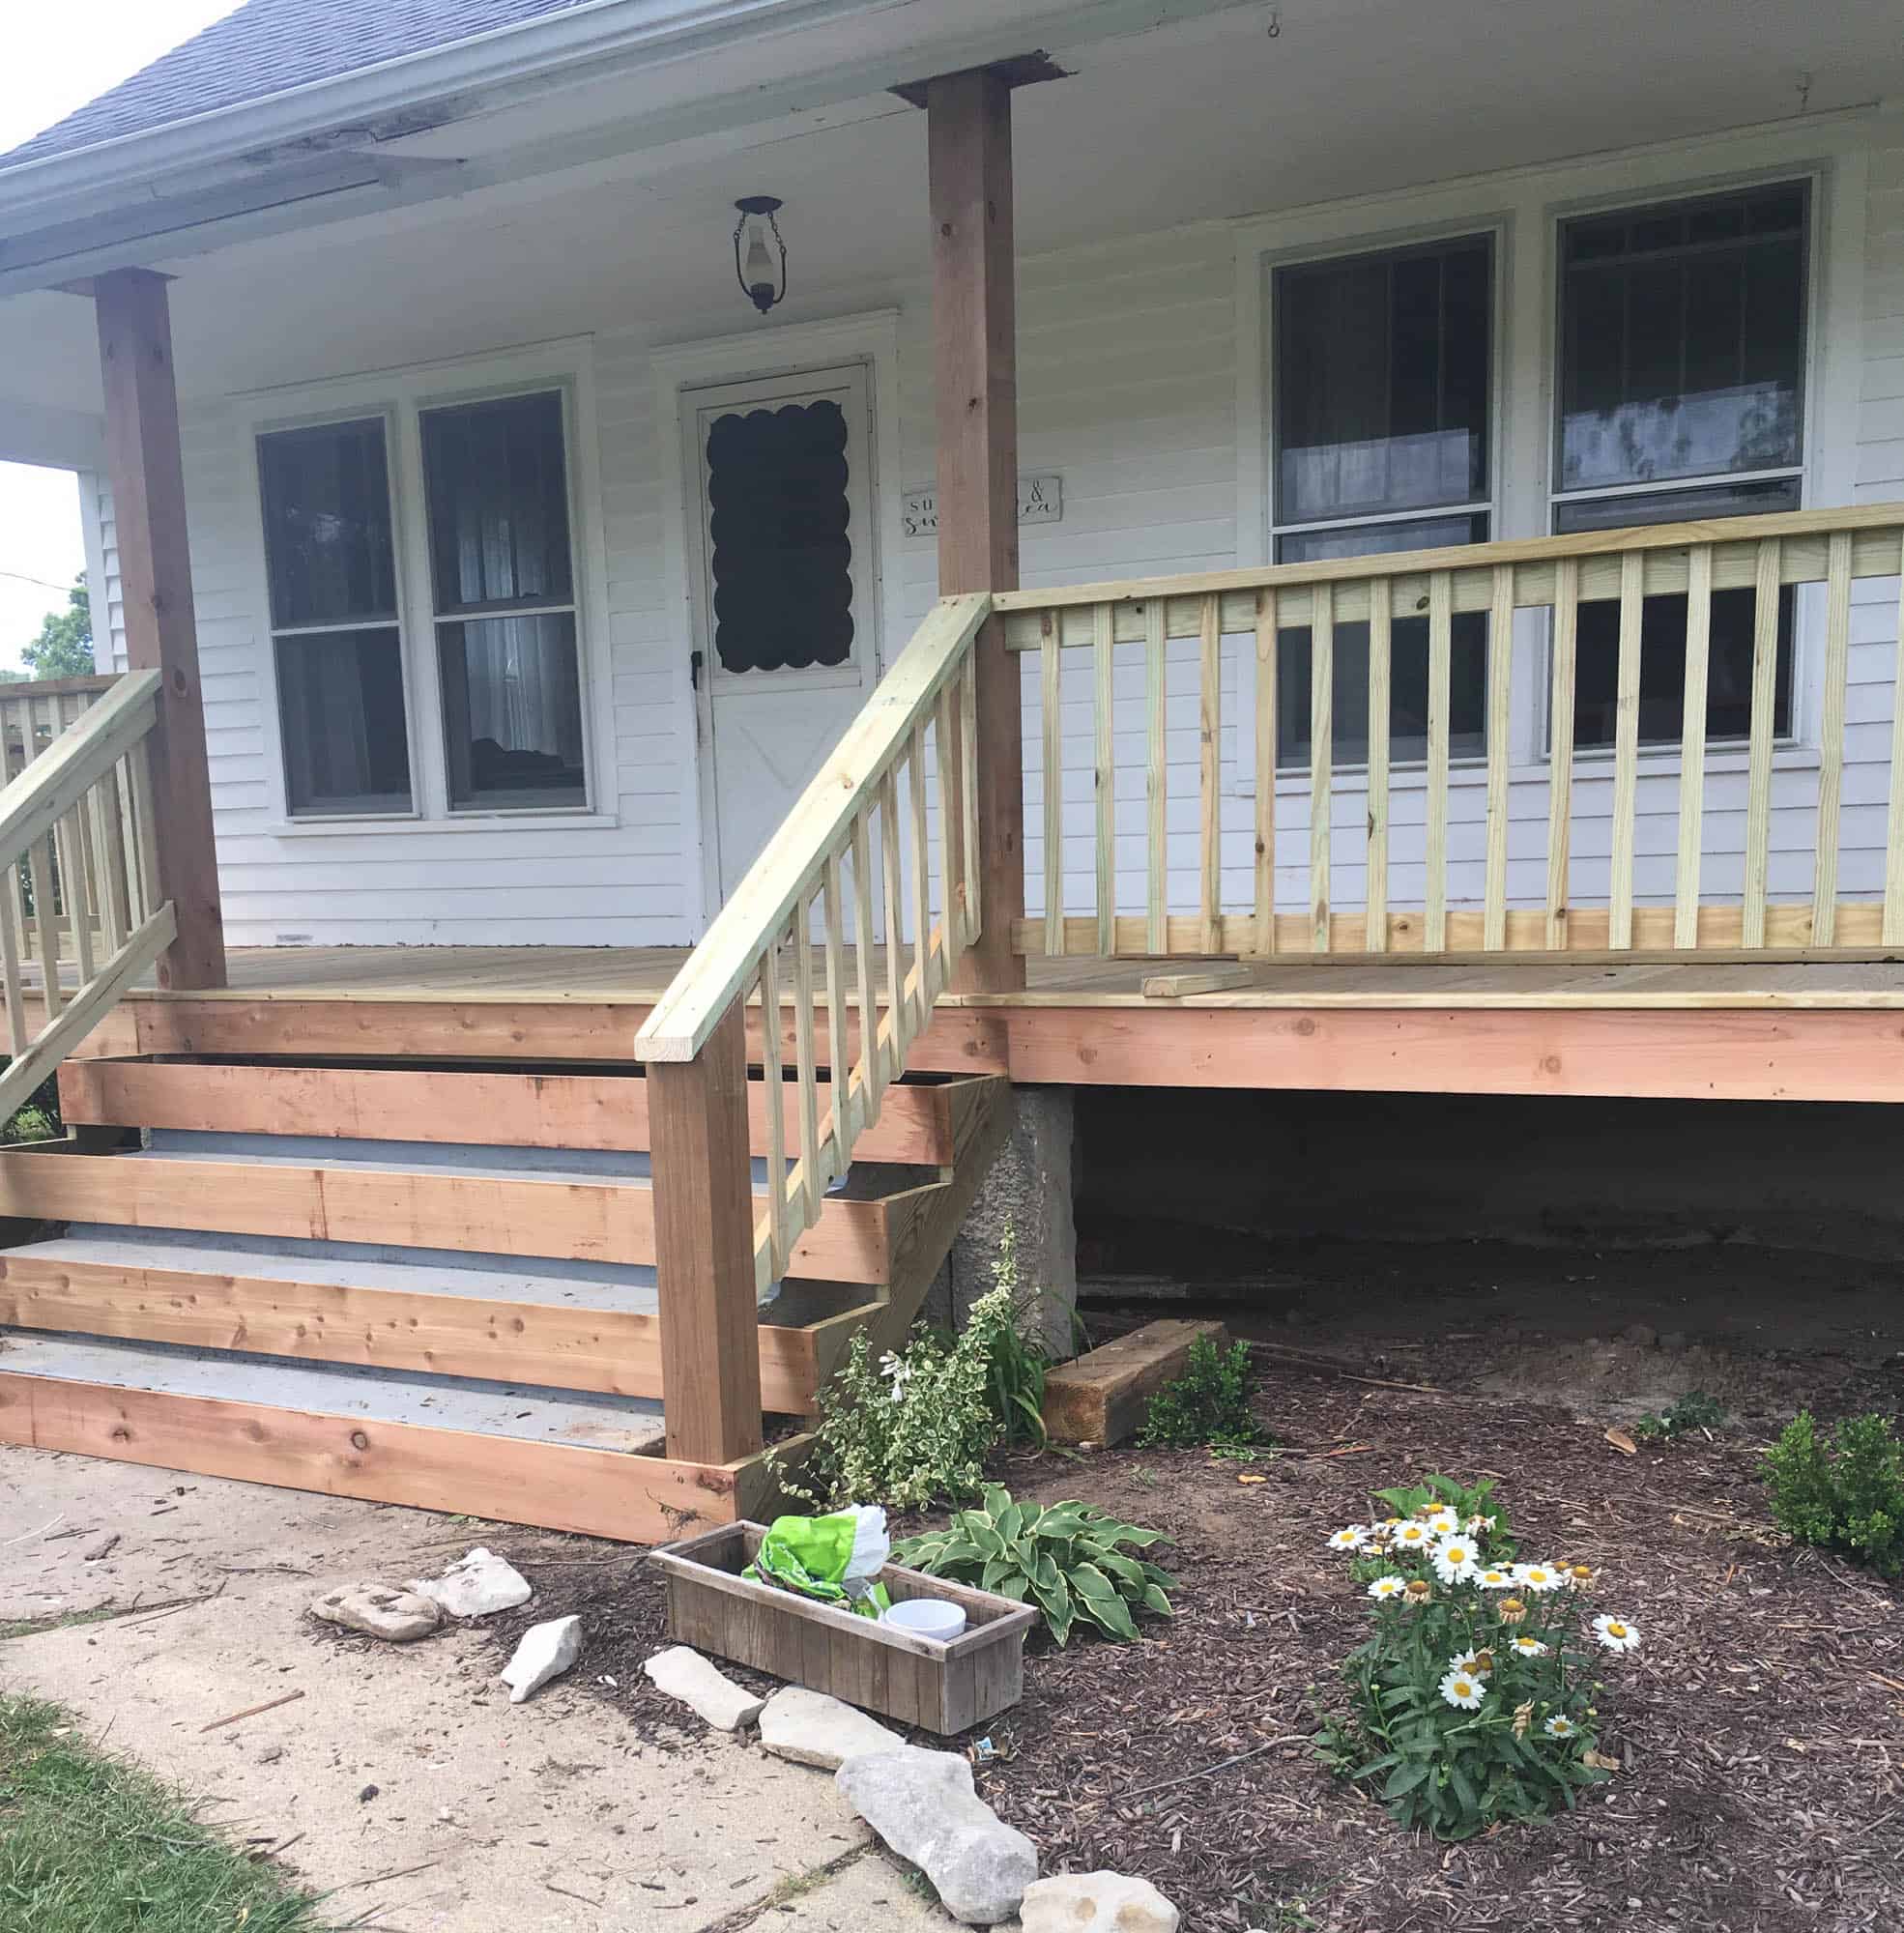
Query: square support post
[[703, 1247], [147, 476], [968, 139]]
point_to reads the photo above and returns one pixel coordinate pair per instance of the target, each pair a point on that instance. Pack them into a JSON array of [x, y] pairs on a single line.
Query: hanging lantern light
[[753, 262]]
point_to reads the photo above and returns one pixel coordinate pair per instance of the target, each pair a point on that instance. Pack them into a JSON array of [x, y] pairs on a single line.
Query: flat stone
[[543, 1652], [684, 1673], [1097, 1902], [925, 1806], [380, 1610], [476, 1585], [813, 1729]]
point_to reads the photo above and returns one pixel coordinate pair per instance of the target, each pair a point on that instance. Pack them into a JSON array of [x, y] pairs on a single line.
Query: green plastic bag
[[836, 1559]]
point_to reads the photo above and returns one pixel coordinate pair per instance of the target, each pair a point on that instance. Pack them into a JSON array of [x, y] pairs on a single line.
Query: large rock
[[684, 1673], [476, 1585], [380, 1610], [813, 1729], [543, 1652], [924, 1805], [1099, 1902]]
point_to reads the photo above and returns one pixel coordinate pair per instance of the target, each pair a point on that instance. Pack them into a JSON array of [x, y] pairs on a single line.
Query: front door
[[785, 594]]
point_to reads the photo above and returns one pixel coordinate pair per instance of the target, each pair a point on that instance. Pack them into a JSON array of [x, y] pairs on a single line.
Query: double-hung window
[[1382, 381], [1680, 395], [486, 529]]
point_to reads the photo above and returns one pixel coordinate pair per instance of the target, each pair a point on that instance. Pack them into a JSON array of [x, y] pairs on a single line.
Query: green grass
[[56, 1620], [88, 1845]]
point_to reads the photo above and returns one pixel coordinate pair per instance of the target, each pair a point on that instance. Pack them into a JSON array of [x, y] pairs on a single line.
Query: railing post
[[147, 476], [703, 1247], [968, 134]]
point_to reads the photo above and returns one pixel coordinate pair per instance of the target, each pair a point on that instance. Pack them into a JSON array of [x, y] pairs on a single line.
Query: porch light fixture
[[754, 267]]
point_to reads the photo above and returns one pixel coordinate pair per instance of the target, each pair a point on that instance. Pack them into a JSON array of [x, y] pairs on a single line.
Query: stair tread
[[526, 1413]]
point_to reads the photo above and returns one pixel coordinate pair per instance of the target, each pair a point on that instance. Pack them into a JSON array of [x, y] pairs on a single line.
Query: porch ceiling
[[1208, 118]]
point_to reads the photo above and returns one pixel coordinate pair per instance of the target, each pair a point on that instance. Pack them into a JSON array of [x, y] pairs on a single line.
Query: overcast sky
[[58, 57]]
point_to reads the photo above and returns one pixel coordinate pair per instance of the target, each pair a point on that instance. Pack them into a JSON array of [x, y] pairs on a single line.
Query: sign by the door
[[1040, 500]]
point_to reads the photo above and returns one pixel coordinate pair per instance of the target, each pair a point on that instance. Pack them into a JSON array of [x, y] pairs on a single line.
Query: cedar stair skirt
[[426, 1282]]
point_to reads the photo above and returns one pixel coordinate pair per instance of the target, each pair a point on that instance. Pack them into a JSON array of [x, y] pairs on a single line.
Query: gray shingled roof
[[268, 47]]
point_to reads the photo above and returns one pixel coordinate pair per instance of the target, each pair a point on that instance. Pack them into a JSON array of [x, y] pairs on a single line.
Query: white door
[[785, 594]]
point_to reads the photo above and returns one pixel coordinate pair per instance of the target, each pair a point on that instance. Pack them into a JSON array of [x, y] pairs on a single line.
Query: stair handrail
[[825, 840], [78, 868]]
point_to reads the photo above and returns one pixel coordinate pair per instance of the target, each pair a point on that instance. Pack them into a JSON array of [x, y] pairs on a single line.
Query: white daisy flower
[[1419, 1591], [1443, 1522], [1463, 1689], [1454, 1559], [1480, 1663], [1494, 1581], [1475, 1525], [1529, 1647], [1615, 1633], [1560, 1727], [1537, 1577], [1387, 1587], [1413, 1537], [1352, 1538]]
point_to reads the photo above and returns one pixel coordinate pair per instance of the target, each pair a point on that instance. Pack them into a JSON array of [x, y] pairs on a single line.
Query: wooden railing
[[853, 864], [80, 872], [1552, 578]]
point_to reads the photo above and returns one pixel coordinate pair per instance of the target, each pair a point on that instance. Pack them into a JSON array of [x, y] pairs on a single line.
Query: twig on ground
[[1204, 1770], [252, 1711]]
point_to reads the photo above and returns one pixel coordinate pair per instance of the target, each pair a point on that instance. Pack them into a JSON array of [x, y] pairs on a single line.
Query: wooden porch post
[[968, 138], [147, 476], [703, 1247]]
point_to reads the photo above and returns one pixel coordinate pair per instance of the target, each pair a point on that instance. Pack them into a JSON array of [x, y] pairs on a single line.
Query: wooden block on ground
[[1100, 1397]]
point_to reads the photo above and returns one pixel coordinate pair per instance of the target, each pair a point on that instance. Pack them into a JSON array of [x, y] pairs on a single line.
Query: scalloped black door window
[[781, 549]]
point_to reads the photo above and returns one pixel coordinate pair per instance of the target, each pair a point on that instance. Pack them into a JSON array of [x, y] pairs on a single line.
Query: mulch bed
[[1759, 1725]]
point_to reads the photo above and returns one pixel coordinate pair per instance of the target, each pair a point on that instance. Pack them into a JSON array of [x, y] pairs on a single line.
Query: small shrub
[[1849, 1499], [1694, 1410], [1471, 1702], [1208, 1403], [1068, 1559]]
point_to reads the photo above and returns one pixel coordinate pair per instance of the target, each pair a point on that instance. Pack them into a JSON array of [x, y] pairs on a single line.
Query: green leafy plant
[[1694, 1410], [1849, 1497], [1471, 1702], [1069, 1559], [1209, 1404]]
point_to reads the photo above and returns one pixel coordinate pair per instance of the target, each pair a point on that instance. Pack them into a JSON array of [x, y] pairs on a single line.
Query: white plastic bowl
[[927, 1617]]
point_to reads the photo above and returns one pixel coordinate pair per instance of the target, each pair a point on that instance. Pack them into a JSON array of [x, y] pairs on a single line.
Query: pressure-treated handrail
[[77, 870], [849, 859], [1553, 576]]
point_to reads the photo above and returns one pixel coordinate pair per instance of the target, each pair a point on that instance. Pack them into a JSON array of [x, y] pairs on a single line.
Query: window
[[1383, 378], [1680, 395], [330, 564]]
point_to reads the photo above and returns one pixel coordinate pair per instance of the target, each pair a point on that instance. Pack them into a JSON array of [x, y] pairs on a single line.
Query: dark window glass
[[328, 548], [341, 705], [1682, 347], [780, 546], [1662, 626], [1409, 655], [1382, 381], [496, 476]]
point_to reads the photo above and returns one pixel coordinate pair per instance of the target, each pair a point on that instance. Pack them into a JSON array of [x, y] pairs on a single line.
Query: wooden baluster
[[1758, 759], [1435, 906], [1500, 727], [872, 1064], [73, 836], [806, 1070], [968, 796], [1267, 771], [10, 728], [1381, 677], [45, 925], [1209, 745], [1560, 751], [841, 1127], [1321, 753], [889, 882], [1626, 757], [953, 870], [1831, 738], [773, 1094], [1156, 782], [1052, 653], [1104, 769], [145, 833], [928, 982], [115, 903], [10, 979], [1892, 934], [1693, 746]]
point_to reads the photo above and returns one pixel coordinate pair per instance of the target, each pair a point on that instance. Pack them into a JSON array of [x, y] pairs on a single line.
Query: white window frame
[[400, 396]]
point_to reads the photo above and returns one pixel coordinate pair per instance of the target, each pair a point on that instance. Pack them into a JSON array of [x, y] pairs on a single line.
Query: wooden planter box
[[944, 1687]]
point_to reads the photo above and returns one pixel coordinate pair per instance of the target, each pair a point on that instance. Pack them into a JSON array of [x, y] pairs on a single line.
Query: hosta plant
[[1473, 1700], [1070, 1560]]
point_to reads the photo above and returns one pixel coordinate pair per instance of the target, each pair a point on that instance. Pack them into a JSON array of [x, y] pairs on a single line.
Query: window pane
[[327, 549], [1408, 646], [512, 711], [781, 549], [1662, 626], [497, 480], [1683, 340], [1382, 382], [341, 705]]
